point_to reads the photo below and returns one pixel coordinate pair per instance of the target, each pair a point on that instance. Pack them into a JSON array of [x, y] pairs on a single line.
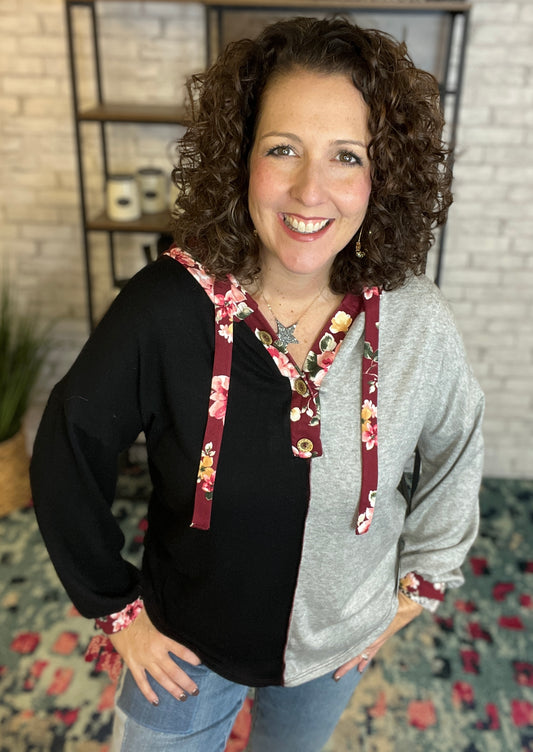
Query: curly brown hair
[[411, 179]]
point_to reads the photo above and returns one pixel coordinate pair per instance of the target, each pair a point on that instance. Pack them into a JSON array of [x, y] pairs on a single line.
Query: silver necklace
[[285, 334]]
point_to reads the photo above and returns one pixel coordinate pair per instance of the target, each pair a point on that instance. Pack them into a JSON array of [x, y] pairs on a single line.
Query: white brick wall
[[152, 47], [489, 255]]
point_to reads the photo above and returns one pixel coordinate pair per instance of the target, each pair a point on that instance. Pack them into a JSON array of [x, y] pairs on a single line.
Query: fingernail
[[182, 697], [195, 692], [336, 677], [155, 702]]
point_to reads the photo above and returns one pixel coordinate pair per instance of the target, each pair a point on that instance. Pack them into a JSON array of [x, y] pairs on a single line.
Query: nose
[[309, 185]]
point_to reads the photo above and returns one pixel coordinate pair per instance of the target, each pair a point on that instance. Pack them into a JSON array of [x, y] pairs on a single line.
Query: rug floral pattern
[[460, 681]]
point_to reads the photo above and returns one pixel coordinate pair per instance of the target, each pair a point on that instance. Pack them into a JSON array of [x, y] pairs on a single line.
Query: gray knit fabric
[[347, 587]]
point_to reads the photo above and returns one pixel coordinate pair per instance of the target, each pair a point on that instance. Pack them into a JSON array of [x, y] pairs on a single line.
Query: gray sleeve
[[444, 517]]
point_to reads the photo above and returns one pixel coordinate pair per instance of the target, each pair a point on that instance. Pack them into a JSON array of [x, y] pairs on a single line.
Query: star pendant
[[285, 336]]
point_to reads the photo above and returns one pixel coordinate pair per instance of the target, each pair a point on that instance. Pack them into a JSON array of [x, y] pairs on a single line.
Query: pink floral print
[[369, 429], [121, 619], [369, 411], [232, 303], [325, 360], [284, 363], [414, 585], [369, 436], [219, 397], [370, 292], [206, 471], [226, 331], [365, 517]]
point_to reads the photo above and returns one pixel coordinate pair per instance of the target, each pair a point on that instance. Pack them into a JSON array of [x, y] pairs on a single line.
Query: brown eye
[[280, 151], [349, 158]]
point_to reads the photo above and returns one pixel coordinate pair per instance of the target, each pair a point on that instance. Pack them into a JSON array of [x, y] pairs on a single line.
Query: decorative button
[[304, 445], [265, 337], [301, 387]]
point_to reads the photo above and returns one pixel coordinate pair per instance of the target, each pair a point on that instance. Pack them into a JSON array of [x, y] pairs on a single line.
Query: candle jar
[[153, 189], [123, 202]]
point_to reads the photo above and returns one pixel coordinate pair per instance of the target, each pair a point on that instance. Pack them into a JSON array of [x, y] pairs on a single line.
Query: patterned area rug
[[461, 681]]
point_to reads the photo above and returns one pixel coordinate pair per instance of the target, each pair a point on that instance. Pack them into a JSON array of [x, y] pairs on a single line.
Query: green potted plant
[[23, 343]]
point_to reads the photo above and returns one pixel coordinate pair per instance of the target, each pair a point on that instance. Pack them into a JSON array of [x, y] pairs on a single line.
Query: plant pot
[[15, 489]]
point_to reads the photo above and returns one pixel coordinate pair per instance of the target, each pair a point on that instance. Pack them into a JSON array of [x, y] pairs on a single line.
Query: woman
[[278, 554]]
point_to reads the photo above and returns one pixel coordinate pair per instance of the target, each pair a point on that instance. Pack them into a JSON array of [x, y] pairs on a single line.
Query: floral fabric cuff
[[416, 587], [122, 619], [101, 651], [427, 603]]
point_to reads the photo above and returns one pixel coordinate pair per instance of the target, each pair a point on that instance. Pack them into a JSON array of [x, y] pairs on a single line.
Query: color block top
[[279, 589]]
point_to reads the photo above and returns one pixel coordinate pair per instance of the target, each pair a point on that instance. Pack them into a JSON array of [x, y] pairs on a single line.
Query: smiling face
[[309, 171]]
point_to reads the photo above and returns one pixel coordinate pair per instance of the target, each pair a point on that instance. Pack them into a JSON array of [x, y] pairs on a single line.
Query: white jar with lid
[[123, 201], [153, 187]]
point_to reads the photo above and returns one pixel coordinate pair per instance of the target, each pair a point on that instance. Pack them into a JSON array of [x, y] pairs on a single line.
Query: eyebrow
[[294, 137]]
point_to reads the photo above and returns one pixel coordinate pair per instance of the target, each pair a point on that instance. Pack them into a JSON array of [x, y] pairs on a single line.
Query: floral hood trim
[[305, 382], [369, 411], [232, 303]]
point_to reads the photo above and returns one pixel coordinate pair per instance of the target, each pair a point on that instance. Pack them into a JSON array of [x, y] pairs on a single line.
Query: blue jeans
[[285, 719]]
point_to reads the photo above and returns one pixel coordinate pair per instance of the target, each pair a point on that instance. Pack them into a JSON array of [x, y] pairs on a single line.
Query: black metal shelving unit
[[103, 111]]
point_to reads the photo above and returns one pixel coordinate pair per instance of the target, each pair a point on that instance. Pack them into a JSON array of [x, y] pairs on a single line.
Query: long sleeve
[[92, 415], [444, 517]]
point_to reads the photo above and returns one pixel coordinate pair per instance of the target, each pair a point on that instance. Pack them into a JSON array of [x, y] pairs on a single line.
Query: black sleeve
[[92, 415]]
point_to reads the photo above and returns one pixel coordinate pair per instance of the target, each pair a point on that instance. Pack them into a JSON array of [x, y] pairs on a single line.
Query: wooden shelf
[[391, 5], [93, 2], [444, 5], [159, 222], [134, 113]]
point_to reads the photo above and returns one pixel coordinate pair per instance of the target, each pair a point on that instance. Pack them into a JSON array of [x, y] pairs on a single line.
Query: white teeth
[[304, 227]]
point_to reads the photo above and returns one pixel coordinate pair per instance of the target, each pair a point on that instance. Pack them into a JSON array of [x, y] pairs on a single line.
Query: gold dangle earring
[[358, 250]]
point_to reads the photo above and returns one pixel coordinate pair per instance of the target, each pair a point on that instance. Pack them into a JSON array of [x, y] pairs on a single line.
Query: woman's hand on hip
[[407, 611], [145, 649]]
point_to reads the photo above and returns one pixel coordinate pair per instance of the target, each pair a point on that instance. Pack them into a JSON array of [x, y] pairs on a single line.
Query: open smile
[[305, 227]]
